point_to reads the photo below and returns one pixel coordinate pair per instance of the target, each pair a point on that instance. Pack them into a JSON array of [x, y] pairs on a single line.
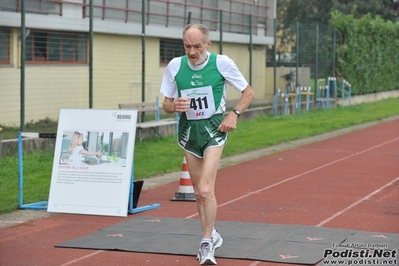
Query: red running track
[[350, 181]]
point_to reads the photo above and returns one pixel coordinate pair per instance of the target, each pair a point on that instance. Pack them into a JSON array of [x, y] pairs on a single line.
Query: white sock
[[206, 240]]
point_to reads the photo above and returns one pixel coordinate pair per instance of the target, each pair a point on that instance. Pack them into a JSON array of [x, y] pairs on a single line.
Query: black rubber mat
[[297, 244]]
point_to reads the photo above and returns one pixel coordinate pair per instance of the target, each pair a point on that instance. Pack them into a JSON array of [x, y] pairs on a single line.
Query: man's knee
[[204, 193]]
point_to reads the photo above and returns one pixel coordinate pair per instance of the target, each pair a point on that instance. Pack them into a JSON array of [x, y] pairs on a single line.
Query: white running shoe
[[206, 254], [217, 242]]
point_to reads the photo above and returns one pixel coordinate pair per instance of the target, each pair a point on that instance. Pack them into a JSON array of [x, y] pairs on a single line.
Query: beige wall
[[117, 62]]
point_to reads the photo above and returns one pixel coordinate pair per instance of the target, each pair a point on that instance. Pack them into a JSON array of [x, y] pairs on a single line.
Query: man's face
[[196, 46]]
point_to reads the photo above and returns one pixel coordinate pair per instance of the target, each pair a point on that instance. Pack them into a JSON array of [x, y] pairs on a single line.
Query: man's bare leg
[[203, 176]]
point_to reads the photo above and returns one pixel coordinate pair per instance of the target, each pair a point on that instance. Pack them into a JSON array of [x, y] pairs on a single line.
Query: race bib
[[202, 104]]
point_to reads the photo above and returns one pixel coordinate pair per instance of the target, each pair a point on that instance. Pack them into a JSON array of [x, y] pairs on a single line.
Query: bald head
[[196, 43], [200, 27]]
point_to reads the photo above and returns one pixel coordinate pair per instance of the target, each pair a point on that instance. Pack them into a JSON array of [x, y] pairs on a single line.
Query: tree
[[318, 11], [306, 11], [386, 9]]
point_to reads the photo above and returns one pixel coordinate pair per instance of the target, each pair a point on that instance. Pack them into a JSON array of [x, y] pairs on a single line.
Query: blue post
[[349, 94], [299, 100], [283, 104], [158, 112], [177, 124], [131, 191], [318, 94], [342, 93], [285, 100], [327, 104], [20, 170], [335, 88], [308, 99], [275, 102]]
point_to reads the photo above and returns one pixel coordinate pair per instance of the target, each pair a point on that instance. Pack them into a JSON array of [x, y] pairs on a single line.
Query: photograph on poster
[[94, 148]]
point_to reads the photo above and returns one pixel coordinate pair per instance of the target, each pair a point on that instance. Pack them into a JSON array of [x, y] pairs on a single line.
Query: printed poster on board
[[93, 161]]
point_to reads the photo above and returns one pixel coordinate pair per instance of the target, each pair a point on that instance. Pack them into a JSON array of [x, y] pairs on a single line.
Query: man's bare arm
[[246, 99], [230, 121]]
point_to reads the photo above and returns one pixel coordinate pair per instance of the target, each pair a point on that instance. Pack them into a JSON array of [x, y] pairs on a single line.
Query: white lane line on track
[[357, 202], [254, 263], [299, 175], [82, 258]]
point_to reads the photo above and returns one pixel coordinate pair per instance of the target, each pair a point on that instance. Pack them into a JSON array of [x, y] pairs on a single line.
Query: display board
[[93, 162]]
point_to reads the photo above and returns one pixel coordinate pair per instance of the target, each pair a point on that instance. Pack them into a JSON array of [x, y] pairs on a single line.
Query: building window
[[64, 48], [169, 49], [4, 46]]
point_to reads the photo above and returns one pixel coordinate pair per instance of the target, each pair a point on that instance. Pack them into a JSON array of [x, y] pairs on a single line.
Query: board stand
[[134, 194]]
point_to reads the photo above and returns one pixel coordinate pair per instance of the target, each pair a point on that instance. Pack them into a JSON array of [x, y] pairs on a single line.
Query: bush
[[368, 55]]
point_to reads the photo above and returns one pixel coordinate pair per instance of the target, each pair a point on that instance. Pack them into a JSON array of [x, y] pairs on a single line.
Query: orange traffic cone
[[186, 190]]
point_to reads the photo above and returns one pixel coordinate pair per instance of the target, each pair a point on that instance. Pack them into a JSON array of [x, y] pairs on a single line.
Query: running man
[[195, 86]]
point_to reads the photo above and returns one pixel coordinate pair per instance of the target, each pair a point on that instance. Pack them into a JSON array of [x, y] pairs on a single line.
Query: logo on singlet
[[196, 83], [196, 76], [200, 114]]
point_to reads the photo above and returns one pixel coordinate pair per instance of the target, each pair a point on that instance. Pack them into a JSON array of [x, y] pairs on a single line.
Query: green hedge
[[368, 56]]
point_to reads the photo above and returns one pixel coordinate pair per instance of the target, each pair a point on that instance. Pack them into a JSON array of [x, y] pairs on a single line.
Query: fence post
[[297, 55], [22, 75], [250, 50], [317, 59], [274, 56], [221, 31], [143, 48], [334, 52], [1, 139], [91, 44]]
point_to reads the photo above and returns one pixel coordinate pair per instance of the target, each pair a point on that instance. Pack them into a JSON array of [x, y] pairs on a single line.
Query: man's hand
[[181, 104], [229, 123], [170, 105]]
